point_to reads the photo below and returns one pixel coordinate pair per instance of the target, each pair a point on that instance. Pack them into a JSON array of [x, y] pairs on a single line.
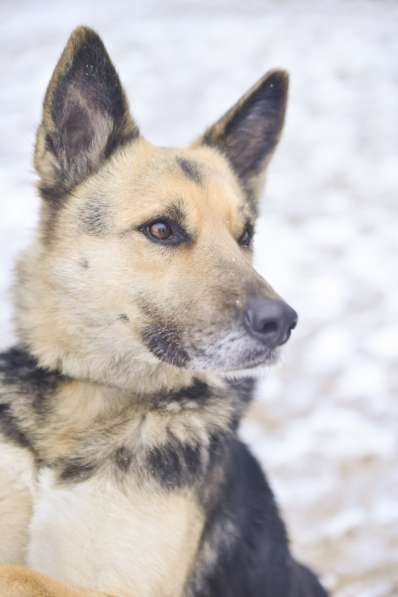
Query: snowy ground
[[325, 424]]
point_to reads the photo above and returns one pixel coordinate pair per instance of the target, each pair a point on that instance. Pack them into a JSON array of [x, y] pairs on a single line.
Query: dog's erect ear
[[85, 116], [249, 132]]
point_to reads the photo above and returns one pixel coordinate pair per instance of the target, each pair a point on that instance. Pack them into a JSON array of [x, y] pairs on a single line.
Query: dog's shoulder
[[245, 547]]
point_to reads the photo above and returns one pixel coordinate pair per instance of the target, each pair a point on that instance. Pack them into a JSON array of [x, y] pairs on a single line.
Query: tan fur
[[45, 316], [22, 582]]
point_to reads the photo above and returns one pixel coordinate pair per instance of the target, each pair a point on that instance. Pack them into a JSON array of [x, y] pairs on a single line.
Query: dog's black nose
[[270, 321]]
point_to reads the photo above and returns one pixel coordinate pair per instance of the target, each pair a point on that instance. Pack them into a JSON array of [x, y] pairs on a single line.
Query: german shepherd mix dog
[[141, 323]]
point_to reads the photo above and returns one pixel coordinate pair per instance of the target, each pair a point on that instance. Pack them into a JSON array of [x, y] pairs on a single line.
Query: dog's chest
[[137, 543]]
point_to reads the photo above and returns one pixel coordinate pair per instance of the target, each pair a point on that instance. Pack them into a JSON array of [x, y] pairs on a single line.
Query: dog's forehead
[[148, 177]]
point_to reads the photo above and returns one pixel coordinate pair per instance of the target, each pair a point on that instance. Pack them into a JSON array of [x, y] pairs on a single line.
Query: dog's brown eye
[[160, 230], [164, 231]]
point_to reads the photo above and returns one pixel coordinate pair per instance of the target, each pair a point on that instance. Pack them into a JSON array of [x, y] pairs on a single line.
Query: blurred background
[[325, 423]]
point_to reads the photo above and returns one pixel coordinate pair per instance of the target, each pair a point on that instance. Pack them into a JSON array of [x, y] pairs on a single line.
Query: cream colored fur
[[128, 542], [17, 486], [96, 534]]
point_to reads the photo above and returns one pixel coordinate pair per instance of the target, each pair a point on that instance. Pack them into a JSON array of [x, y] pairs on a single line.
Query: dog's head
[[145, 253]]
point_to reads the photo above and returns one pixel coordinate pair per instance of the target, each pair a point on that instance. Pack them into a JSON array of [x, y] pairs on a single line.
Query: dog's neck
[[78, 427]]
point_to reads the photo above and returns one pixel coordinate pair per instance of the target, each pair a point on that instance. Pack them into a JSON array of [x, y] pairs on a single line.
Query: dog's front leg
[[16, 581]]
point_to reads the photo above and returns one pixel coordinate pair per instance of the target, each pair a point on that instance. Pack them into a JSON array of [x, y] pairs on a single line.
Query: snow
[[325, 423]]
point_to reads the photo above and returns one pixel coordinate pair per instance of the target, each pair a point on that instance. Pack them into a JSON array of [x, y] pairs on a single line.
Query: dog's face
[[145, 252]]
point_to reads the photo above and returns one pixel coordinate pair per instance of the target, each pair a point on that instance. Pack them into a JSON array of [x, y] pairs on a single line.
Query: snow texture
[[325, 423]]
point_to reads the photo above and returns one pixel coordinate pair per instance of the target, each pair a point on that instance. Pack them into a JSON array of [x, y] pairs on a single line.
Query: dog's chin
[[249, 365], [253, 367]]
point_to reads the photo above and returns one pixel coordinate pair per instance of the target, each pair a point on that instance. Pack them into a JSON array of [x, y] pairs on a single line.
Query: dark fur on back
[[245, 529]]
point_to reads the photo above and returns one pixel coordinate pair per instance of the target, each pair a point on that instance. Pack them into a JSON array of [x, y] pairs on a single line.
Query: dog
[[141, 326]]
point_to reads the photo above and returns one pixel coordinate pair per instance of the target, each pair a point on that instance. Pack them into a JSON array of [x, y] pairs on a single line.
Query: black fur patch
[[123, 459], [76, 469], [175, 464], [20, 370], [248, 539], [123, 317], [198, 392], [21, 375], [18, 367], [165, 343], [54, 194], [10, 428], [190, 169], [95, 217]]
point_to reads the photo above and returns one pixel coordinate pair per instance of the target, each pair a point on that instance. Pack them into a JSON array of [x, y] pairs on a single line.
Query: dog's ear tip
[[282, 74], [83, 31], [277, 78], [84, 35]]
